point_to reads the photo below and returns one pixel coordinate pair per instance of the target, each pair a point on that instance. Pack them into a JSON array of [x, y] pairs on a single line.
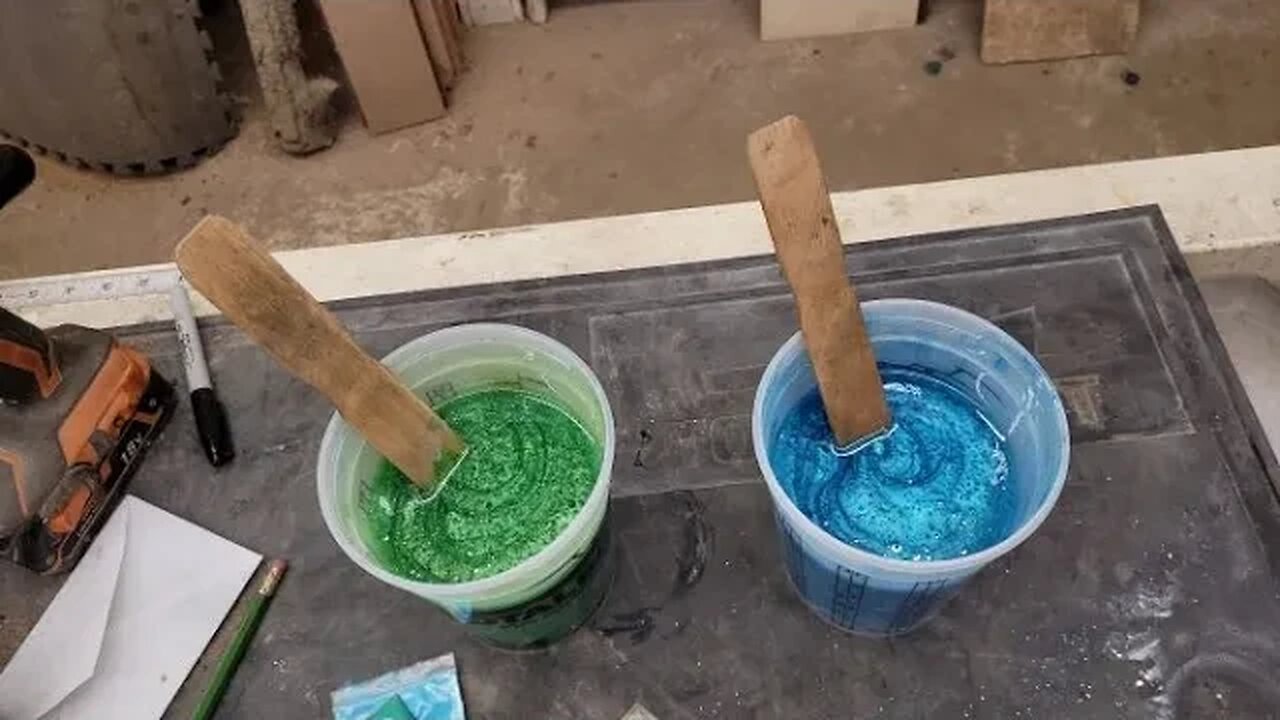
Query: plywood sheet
[[1028, 30]]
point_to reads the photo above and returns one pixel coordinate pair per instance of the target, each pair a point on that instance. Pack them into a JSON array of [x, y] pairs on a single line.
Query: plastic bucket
[[869, 594], [547, 595]]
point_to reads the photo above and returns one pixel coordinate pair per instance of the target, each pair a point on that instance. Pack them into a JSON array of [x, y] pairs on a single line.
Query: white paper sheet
[[130, 622]]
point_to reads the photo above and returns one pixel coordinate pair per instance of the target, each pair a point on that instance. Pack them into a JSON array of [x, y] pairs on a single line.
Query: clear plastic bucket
[[541, 598], [873, 595]]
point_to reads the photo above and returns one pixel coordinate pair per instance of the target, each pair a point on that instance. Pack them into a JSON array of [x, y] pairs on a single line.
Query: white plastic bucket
[[446, 364], [869, 594]]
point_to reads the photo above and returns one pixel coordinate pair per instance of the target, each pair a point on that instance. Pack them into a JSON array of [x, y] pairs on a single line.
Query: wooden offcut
[[386, 61], [536, 10], [447, 12], [1029, 30], [220, 260], [491, 12], [784, 19], [299, 108], [436, 34], [797, 207]]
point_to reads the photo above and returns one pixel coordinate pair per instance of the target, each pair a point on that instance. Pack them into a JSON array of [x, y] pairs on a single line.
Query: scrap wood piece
[[536, 10], [490, 12], [436, 35], [1029, 30], [300, 109], [447, 11], [782, 19], [386, 61]]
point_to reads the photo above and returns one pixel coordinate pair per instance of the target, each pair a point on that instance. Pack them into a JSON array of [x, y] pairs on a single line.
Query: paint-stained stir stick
[[797, 207], [221, 261]]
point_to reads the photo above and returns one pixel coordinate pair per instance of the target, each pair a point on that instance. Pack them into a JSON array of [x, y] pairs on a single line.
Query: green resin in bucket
[[528, 470], [553, 590]]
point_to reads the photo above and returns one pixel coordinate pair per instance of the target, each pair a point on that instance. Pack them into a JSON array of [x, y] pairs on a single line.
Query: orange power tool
[[77, 412]]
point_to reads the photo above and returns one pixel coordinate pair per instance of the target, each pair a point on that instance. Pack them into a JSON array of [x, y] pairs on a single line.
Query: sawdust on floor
[[637, 106]]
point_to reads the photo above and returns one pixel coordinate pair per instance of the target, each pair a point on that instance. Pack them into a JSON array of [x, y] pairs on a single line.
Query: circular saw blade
[[123, 86]]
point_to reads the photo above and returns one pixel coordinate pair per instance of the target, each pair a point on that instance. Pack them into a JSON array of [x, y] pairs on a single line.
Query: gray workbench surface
[[1150, 592]]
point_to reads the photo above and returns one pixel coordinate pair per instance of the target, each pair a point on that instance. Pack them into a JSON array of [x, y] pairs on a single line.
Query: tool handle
[[28, 367], [17, 170], [797, 207], [259, 296], [27, 364]]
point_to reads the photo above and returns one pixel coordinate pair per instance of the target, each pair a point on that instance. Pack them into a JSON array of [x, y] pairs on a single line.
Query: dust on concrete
[[629, 107]]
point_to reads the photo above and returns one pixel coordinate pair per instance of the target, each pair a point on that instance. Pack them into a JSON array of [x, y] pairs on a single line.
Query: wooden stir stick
[[797, 207], [257, 294]]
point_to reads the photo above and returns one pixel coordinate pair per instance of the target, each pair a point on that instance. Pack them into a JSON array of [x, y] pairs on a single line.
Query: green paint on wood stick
[[528, 469]]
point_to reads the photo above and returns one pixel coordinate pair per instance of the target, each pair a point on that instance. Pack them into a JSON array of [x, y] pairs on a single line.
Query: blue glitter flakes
[[933, 486]]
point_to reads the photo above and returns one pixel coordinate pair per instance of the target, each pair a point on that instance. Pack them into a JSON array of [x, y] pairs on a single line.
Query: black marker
[[211, 419]]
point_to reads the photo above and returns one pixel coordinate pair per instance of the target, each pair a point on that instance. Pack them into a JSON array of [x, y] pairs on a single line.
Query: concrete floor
[[645, 105]]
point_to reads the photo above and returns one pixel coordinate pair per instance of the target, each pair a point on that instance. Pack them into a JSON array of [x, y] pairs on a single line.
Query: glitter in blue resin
[[933, 487]]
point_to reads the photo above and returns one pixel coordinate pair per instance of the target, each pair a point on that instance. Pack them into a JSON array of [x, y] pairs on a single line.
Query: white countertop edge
[[1213, 201]]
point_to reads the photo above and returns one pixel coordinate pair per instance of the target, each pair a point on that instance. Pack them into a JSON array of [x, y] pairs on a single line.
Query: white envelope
[[130, 623]]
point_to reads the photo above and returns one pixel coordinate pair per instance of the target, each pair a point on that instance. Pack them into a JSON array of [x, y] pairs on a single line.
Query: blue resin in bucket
[[1007, 425], [934, 486]]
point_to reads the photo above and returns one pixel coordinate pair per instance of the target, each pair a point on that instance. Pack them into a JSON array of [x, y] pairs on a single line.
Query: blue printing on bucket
[[850, 600]]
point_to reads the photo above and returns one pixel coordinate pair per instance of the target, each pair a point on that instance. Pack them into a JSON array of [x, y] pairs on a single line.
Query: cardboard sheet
[[386, 61]]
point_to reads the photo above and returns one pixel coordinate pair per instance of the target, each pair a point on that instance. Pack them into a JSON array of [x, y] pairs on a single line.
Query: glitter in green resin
[[528, 469]]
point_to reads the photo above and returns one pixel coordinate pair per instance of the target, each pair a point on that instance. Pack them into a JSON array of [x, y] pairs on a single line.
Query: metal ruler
[[106, 285]]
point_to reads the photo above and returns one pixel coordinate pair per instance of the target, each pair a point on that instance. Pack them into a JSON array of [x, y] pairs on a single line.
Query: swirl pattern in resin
[[528, 469], [934, 486]]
